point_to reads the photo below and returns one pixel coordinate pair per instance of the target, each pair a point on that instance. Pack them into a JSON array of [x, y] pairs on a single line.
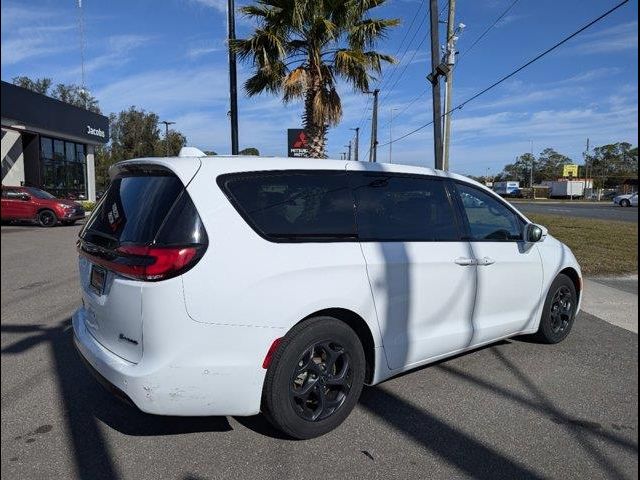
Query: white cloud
[[164, 90], [613, 39], [33, 32], [195, 53], [220, 5]]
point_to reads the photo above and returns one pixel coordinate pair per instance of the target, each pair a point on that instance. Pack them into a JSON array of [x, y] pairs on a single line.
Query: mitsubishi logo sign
[[298, 143]]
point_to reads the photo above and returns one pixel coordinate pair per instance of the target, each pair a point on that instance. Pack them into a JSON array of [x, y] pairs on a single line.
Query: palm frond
[[364, 34], [295, 84]]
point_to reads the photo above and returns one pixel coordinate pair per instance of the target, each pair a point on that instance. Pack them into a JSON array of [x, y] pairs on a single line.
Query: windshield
[[36, 192]]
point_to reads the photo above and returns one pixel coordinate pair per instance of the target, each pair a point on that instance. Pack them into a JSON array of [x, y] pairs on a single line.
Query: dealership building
[[49, 144]]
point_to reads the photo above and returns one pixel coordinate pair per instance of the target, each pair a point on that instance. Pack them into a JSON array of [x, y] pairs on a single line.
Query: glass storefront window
[[70, 149], [64, 169], [58, 149], [46, 147], [80, 156]]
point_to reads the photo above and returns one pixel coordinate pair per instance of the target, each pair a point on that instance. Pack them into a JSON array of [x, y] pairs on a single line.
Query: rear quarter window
[[294, 205]]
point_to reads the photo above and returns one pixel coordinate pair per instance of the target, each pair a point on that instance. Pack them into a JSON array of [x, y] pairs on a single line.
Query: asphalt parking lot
[[512, 410], [601, 211]]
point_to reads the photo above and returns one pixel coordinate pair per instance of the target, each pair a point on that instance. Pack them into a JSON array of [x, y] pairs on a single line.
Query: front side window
[[403, 208], [36, 192], [489, 219], [294, 205]]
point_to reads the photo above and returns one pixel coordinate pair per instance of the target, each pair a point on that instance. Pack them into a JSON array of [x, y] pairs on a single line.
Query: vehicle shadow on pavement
[[85, 402]]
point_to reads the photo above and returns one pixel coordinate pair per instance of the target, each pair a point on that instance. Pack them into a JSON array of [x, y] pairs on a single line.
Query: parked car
[[246, 285], [34, 205], [628, 200]]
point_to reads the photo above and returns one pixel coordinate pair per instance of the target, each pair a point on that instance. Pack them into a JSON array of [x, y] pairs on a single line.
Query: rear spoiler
[[185, 168]]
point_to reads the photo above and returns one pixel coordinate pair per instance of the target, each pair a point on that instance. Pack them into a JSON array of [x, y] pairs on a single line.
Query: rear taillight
[[148, 263], [155, 263]]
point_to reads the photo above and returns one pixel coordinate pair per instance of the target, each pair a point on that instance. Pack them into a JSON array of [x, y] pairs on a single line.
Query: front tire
[[625, 203], [47, 218], [559, 311], [315, 378]]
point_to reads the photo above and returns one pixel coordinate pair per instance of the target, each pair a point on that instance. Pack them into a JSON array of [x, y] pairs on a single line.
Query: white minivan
[[239, 285]]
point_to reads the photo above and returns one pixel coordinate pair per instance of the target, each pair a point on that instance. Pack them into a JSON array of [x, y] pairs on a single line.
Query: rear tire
[[315, 378], [625, 203], [559, 311], [47, 218]]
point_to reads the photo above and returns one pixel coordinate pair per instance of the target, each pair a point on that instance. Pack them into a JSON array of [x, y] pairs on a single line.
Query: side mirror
[[533, 233], [25, 197]]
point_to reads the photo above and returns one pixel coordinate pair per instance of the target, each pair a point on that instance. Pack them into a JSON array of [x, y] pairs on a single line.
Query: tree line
[[608, 165], [134, 133]]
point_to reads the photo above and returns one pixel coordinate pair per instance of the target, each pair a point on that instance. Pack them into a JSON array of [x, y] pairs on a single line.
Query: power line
[[406, 50], [380, 81], [519, 69], [488, 29], [406, 107], [389, 90]]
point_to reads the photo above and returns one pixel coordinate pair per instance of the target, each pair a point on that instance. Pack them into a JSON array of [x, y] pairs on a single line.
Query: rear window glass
[[401, 208], [133, 209], [294, 205]]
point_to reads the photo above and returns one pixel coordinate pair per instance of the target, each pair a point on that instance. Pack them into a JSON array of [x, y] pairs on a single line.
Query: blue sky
[[169, 57]]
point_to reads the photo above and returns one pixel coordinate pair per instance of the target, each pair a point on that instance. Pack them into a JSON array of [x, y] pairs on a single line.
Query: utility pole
[[586, 171], [166, 135], [357, 129], [434, 78], [349, 151], [233, 80], [450, 60], [391, 110], [533, 195], [374, 127]]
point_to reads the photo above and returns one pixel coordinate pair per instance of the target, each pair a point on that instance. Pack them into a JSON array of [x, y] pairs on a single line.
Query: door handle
[[466, 261], [486, 261]]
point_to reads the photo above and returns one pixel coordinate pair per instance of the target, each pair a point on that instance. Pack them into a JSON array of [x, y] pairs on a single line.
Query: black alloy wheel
[[321, 381], [315, 378], [559, 311], [46, 218], [625, 203]]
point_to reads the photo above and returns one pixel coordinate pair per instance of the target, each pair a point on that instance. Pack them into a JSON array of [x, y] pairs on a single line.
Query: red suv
[[33, 204]]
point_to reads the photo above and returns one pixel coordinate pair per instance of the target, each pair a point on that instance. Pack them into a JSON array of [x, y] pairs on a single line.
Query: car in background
[[34, 205], [628, 200]]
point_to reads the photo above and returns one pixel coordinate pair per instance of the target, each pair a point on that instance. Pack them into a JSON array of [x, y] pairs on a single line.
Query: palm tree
[[301, 47]]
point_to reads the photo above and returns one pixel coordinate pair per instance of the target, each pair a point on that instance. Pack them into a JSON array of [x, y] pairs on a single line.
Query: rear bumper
[[192, 384]]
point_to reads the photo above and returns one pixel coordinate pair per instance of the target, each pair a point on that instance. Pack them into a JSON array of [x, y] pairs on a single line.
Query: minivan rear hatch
[[145, 229]]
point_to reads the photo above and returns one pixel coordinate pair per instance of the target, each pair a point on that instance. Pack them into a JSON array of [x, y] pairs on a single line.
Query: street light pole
[[166, 135], [349, 151], [233, 80], [357, 129]]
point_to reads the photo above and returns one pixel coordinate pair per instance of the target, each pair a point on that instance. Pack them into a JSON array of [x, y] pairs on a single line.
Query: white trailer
[[567, 188]]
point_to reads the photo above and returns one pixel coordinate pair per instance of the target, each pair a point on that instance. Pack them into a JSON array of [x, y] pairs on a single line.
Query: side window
[[488, 217], [294, 205], [402, 208], [11, 194]]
